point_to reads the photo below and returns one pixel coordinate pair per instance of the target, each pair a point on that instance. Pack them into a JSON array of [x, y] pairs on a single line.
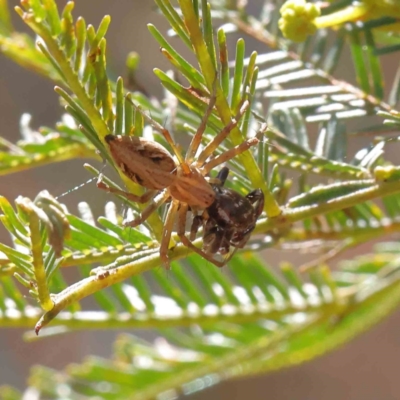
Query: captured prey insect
[[183, 182], [230, 219]]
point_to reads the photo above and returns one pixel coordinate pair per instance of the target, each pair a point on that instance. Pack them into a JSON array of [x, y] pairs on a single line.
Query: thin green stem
[[289, 216], [91, 320], [342, 202], [67, 152], [347, 14]]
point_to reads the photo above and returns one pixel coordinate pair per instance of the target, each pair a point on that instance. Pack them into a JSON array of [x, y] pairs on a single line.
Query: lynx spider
[[183, 182]]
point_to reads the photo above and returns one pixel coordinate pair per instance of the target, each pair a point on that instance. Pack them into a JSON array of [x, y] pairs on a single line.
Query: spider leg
[[144, 198], [155, 203], [220, 137], [229, 154], [167, 232], [186, 242], [195, 143]]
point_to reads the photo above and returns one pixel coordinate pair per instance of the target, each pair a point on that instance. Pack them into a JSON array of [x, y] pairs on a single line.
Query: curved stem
[[349, 13]]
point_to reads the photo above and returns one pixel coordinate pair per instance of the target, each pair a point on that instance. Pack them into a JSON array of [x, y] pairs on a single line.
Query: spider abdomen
[[145, 162]]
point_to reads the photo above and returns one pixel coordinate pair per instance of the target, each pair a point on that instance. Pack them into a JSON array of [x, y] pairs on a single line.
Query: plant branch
[[252, 27], [208, 69]]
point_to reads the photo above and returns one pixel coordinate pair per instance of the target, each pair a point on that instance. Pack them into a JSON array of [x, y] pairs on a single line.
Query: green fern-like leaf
[[212, 326]]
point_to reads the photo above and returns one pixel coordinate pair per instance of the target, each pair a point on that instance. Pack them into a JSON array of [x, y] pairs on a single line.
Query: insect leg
[[197, 222], [257, 197], [212, 239], [186, 242], [222, 176]]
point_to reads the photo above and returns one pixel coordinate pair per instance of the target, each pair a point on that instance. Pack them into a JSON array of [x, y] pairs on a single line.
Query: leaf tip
[[19, 11], [38, 327]]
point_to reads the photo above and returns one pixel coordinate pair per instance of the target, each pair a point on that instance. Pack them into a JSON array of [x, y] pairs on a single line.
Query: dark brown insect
[[230, 219]]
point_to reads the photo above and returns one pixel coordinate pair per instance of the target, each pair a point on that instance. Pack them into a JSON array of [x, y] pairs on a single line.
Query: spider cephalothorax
[[183, 181]]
